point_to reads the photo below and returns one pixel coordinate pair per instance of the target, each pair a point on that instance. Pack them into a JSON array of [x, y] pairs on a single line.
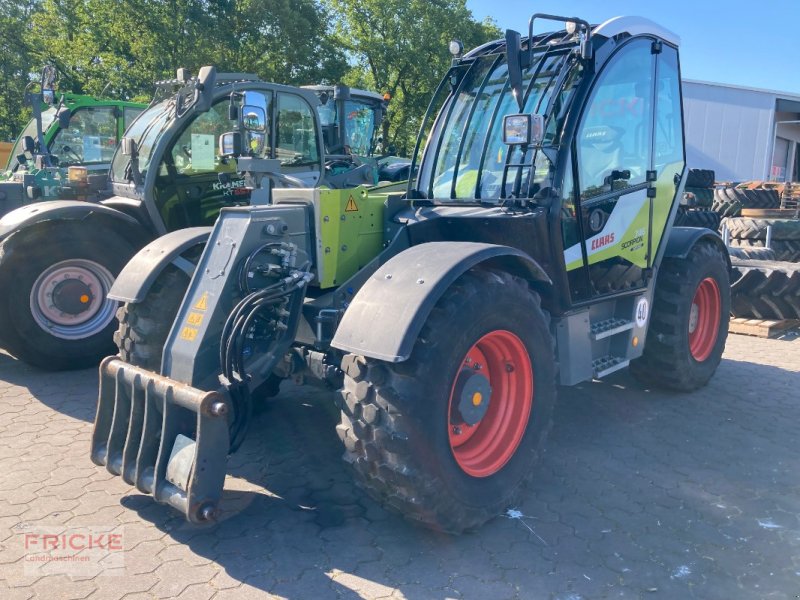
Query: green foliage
[[401, 47], [122, 46]]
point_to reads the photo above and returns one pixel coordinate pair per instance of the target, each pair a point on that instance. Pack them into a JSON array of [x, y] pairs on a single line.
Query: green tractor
[[65, 150], [534, 246], [59, 259]]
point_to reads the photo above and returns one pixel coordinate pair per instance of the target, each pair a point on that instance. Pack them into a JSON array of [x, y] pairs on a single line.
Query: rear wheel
[[689, 323], [55, 281], [448, 437]]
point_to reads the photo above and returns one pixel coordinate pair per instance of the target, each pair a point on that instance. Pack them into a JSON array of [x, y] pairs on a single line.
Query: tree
[[16, 65], [401, 47]]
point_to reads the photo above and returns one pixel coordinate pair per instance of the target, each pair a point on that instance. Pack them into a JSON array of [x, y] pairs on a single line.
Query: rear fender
[[140, 273], [387, 314]]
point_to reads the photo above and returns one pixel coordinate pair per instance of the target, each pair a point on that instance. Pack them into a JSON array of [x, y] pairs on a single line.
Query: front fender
[[143, 269], [386, 315], [38, 212], [683, 239]]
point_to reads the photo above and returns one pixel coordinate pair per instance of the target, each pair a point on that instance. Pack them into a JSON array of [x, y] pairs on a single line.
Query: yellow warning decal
[[351, 205], [202, 304], [195, 319], [189, 333]]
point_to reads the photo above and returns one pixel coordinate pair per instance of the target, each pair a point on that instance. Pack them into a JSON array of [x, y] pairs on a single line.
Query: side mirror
[[28, 145], [206, 80], [254, 118], [49, 97], [64, 117], [128, 147], [523, 130], [230, 144]]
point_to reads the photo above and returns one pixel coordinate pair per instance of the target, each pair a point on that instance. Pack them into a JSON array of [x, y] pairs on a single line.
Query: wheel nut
[[509, 368], [218, 409], [207, 513]]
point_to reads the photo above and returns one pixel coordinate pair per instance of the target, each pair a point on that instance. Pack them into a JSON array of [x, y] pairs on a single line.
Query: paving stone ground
[[642, 494]]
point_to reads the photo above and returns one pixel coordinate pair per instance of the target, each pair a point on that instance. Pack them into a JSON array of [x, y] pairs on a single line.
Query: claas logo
[[602, 241]]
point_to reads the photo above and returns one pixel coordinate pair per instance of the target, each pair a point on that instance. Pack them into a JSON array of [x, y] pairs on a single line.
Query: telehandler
[[59, 259], [533, 246]]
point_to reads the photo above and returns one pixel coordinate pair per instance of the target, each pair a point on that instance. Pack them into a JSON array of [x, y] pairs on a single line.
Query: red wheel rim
[[704, 319], [482, 449]]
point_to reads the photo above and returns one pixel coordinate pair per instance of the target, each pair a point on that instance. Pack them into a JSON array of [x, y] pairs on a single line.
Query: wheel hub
[[490, 403], [72, 296], [694, 315], [705, 316], [474, 393], [68, 300]]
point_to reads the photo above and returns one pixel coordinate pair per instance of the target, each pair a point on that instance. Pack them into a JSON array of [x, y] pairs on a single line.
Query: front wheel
[[689, 324], [448, 437], [54, 306]]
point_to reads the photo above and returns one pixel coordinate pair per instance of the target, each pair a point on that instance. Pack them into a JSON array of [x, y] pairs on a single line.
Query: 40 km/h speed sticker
[[642, 311]]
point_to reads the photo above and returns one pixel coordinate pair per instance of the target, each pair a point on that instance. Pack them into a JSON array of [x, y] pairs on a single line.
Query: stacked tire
[[751, 233], [763, 289], [700, 188], [729, 201]]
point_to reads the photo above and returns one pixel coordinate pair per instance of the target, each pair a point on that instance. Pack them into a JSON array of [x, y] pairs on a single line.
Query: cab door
[[613, 177]]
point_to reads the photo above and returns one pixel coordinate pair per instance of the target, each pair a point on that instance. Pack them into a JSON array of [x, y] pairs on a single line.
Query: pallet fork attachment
[[167, 438]]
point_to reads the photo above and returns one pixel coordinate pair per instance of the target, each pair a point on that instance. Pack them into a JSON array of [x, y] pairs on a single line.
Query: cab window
[[296, 139], [616, 132], [196, 150], [90, 139]]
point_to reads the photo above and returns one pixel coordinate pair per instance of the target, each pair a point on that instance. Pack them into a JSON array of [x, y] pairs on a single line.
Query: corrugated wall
[[729, 130]]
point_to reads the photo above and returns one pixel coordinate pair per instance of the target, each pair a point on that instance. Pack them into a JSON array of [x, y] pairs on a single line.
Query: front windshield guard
[[465, 159], [146, 130]]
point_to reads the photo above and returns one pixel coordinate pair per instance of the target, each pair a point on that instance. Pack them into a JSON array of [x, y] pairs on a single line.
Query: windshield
[[359, 125], [48, 116], [465, 157], [146, 130], [90, 138]]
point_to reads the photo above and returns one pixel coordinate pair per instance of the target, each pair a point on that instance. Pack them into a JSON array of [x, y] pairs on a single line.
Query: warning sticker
[[351, 205], [195, 319], [189, 333], [202, 304]]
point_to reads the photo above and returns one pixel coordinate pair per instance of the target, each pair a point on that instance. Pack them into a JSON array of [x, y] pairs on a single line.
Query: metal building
[[742, 133]]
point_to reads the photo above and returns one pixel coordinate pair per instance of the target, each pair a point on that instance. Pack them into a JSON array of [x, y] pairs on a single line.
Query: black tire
[[668, 360], [780, 250], [697, 218], [766, 289], [395, 420], [701, 178], [703, 197], [77, 263], [144, 326], [751, 253], [749, 198], [744, 228], [727, 208]]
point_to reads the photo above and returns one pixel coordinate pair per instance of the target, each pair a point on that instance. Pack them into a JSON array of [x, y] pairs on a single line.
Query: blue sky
[[749, 43]]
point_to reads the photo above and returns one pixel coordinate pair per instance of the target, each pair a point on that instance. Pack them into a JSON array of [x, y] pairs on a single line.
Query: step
[[605, 365], [609, 327]]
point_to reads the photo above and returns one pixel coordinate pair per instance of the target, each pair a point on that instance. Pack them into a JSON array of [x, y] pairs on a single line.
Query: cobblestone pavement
[[642, 494]]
